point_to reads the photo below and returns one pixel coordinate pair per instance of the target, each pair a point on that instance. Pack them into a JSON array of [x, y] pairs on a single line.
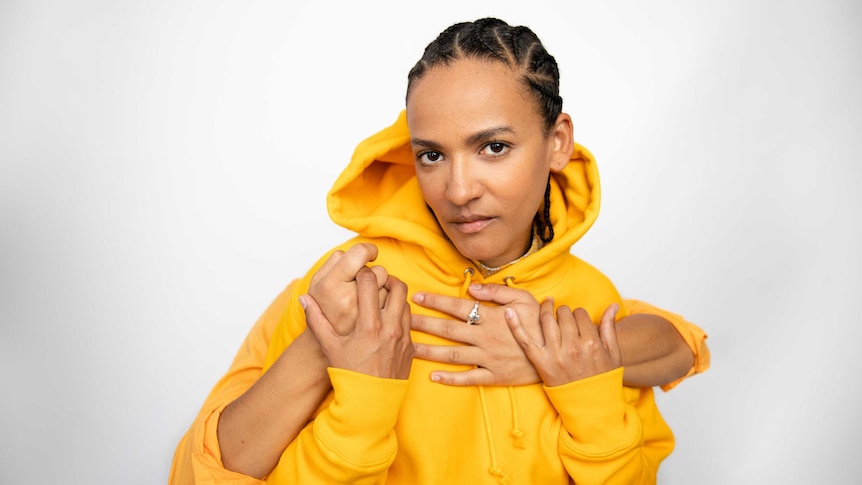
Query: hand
[[378, 343], [569, 347], [489, 345], [334, 286]]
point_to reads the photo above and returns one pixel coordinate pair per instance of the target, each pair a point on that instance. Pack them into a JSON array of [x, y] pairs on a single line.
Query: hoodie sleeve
[[611, 434], [691, 333], [352, 440], [197, 459]]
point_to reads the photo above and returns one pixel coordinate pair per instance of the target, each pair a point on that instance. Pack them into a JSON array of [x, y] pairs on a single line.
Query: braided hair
[[520, 49]]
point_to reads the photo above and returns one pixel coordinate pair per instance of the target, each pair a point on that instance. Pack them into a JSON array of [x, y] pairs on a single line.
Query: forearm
[[603, 439], [352, 440], [255, 429], [653, 352]]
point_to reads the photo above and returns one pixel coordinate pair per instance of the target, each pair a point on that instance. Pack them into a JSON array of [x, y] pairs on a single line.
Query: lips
[[471, 224]]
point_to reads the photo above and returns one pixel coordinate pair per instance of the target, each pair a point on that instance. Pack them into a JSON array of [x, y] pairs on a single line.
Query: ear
[[563, 139]]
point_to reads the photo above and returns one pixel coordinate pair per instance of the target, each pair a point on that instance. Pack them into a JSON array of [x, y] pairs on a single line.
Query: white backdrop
[[163, 170]]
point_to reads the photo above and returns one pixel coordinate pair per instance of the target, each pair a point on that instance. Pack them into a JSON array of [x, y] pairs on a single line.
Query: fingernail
[[476, 286], [302, 302], [435, 378], [510, 314], [419, 297]]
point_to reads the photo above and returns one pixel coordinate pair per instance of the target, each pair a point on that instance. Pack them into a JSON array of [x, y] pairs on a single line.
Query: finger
[[382, 297], [397, 291], [382, 292], [502, 294], [521, 335], [368, 311], [396, 299], [330, 262], [355, 258], [550, 326], [456, 307], [608, 332], [406, 315], [455, 330], [473, 377], [381, 274], [584, 323], [321, 328], [447, 354]]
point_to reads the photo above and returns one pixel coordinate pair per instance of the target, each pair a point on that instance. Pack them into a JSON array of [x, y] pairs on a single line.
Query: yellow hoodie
[[415, 431]]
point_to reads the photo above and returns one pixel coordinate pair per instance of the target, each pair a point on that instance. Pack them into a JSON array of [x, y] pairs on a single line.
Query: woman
[[487, 186]]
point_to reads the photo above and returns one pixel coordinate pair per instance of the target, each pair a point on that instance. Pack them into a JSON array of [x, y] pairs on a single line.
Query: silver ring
[[473, 317]]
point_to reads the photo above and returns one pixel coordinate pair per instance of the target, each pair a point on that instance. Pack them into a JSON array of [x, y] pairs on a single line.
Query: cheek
[[529, 190], [431, 189], [531, 181]]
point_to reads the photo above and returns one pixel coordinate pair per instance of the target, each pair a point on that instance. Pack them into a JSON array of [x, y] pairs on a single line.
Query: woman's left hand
[[489, 345], [569, 346]]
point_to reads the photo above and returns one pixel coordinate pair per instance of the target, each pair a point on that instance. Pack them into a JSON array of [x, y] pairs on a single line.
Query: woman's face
[[483, 156]]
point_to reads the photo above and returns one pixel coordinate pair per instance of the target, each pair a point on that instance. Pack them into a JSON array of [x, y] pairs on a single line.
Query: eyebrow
[[473, 139]]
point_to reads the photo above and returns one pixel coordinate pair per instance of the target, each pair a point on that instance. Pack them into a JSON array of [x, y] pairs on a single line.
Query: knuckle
[[420, 350], [454, 355], [366, 275], [343, 300]]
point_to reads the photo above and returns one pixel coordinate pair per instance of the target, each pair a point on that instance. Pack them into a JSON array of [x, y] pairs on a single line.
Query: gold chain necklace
[[488, 271]]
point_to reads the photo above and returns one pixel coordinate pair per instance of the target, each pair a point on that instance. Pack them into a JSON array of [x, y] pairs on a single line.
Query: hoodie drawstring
[[517, 433], [495, 468], [468, 278]]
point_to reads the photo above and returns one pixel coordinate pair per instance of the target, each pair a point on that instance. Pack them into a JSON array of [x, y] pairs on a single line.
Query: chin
[[475, 252]]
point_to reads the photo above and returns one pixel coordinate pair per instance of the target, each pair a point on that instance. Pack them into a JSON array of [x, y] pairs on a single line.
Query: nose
[[464, 183]]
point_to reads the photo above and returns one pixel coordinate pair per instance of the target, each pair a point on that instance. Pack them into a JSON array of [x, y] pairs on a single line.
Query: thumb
[[608, 332], [320, 327], [498, 293]]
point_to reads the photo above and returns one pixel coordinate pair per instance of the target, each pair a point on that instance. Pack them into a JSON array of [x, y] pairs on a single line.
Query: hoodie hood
[[366, 429], [378, 195]]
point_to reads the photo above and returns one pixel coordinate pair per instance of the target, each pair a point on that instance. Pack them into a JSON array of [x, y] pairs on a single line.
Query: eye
[[495, 148], [429, 158]]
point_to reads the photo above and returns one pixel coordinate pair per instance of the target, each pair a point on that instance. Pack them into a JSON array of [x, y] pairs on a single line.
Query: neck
[[534, 244]]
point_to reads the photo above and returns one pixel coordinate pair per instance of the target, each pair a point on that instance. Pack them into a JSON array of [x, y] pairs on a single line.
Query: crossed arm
[[264, 415], [653, 351]]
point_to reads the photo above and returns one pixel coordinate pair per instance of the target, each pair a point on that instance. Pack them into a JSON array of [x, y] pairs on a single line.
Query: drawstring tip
[[518, 436], [502, 478]]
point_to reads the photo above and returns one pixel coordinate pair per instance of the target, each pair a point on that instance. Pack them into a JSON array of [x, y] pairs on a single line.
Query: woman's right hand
[[334, 285], [568, 346], [378, 342]]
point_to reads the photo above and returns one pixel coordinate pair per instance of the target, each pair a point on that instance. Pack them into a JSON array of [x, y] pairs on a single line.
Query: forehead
[[466, 96]]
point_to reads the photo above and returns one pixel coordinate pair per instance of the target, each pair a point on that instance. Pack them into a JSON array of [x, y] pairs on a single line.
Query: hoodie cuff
[[361, 419], [593, 411]]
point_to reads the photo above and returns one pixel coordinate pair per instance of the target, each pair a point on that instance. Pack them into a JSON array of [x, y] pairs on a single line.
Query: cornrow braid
[[543, 221], [492, 39], [520, 49]]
